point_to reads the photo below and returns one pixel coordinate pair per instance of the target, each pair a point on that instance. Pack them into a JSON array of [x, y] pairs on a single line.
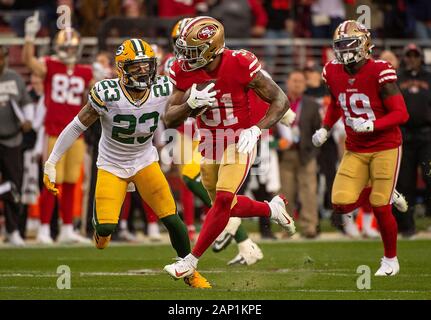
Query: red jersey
[[64, 92], [231, 113], [358, 96]]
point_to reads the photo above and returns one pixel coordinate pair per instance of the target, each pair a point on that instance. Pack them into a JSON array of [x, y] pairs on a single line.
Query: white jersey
[[128, 126]]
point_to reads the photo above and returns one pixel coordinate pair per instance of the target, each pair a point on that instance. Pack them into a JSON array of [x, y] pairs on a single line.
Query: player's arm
[[86, 117], [270, 92], [393, 101], [32, 26], [177, 110]]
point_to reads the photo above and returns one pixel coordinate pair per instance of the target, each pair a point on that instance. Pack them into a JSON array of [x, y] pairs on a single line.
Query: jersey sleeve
[[177, 77], [95, 99], [385, 72], [249, 65]]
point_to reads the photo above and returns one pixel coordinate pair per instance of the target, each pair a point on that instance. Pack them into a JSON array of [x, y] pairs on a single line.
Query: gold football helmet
[[200, 41], [67, 45], [136, 64], [176, 30], [352, 42]]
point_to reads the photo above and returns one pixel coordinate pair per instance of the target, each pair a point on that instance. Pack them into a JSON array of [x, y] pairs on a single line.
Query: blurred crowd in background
[[296, 167]]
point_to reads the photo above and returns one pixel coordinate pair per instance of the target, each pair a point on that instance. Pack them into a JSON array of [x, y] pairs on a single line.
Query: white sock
[[153, 228], [192, 260], [67, 228], [394, 259], [123, 224], [367, 219], [5, 187], [233, 225], [245, 245], [45, 229]]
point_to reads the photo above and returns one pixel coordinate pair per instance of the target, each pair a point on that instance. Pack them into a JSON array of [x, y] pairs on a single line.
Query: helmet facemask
[[140, 74], [191, 57]]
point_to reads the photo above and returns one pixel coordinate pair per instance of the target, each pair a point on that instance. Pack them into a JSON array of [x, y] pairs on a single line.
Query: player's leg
[[384, 168], [74, 159], [109, 197], [154, 190], [349, 190], [47, 199]]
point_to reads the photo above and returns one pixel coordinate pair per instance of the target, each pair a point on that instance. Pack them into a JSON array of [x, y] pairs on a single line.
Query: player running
[[364, 92], [129, 108], [201, 58]]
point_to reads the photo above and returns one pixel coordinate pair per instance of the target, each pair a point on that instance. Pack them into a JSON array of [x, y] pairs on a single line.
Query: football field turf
[[289, 270]]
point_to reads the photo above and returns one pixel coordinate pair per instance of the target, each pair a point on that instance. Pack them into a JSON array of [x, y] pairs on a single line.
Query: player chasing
[[128, 108], [222, 108], [364, 92]]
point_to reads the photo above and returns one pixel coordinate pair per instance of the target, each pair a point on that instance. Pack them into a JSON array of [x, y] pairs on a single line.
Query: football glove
[[32, 26], [49, 175], [201, 98], [362, 125], [319, 137], [288, 118], [248, 139]]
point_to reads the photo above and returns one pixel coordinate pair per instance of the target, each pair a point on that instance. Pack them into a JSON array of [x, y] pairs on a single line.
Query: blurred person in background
[[415, 84], [326, 15], [298, 165], [390, 57], [65, 85], [16, 112]]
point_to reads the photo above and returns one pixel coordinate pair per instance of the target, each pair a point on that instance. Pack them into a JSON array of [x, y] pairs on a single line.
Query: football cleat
[[15, 239], [350, 227], [126, 235], [72, 237], [400, 201], [249, 253], [388, 267], [196, 280], [279, 214], [222, 241], [370, 233], [101, 242], [180, 269]]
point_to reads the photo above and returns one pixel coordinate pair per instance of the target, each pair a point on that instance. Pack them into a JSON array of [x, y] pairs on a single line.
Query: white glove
[[202, 98], [49, 175], [288, 118], [362, 125], [319, 137], [32, 26], [248, 139]]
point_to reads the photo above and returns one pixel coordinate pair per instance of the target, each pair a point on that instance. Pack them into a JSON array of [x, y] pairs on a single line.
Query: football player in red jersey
[[202, 58], [65, 86], [366, 96]]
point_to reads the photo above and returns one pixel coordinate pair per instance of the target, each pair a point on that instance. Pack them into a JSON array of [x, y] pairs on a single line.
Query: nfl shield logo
[[351, 81]]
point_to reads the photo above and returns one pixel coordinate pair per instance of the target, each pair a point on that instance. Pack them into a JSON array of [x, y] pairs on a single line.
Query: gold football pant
[[358, 170], [111, 191], [227, 175], [190, 157]]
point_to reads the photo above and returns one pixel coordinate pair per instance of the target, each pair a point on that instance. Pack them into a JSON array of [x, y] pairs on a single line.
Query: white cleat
[[222, 241], [72, 237], [279, 214], [370, 233], [249, 253], [388, 267], [180, 269], [126, 235], [350, 227], [15, 239], [400, 201], [44, 238]]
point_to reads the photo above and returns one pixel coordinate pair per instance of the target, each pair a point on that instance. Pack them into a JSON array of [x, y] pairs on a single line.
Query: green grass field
[[290, 270]]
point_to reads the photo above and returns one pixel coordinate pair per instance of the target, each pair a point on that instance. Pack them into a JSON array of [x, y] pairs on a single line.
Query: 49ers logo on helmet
[[206, 32]]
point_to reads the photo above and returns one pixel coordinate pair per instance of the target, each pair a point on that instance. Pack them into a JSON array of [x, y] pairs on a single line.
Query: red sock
[[246, 207], [47, 203], [346, 208], [215, 221], [151, 216], [125, 209], [388, 229], [188, 205], [67, 198]]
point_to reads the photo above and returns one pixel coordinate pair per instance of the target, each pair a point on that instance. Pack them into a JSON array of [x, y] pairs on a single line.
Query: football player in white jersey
[[129, 108]]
